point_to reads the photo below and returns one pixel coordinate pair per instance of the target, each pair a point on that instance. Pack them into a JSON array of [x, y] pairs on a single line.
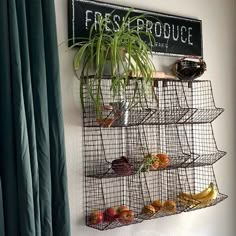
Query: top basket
[[169, 102]]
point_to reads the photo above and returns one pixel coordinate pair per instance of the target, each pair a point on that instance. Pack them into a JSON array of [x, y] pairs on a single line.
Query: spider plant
[[124, 49]]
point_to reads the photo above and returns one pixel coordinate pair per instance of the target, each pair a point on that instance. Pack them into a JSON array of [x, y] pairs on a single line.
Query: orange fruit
[[157, 205], [169, 206]]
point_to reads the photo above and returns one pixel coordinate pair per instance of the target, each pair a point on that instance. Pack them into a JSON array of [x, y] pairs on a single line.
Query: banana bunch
[[201, 199]]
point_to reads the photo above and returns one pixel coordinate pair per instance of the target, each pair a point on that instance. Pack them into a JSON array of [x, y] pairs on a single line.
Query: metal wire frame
[[140, 190], [201, 143], [168, 102], [186, 146], [199, 99], [166, 121], [101, 194], [195, 179], [102, 146], [162, 186], [104, 189], [124, 109]]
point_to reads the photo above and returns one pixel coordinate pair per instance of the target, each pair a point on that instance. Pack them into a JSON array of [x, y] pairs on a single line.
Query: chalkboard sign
[[175, 36]]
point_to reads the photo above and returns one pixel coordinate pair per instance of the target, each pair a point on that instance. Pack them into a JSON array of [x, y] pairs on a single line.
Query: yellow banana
[[200, 195], [190, 201], [186, 202], [210, 197]]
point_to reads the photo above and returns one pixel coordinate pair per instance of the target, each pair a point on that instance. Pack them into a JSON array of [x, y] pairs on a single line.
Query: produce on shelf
[[96, 217], [122, 208], [149, 210], [121, 213], [110, 214], [122, 166], [150, 162], [163, 160], [201, 199], [126, 216], [154, 162], [157, 204], [169, 206]]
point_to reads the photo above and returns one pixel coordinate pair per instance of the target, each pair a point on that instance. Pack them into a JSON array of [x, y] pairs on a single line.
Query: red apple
[[126, 217], [96, 217], [110, 214], [122, 208]]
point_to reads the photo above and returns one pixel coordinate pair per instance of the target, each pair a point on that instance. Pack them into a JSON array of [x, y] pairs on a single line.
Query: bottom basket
[[102, 194], [139, 191], [199, 188], [161, 186]]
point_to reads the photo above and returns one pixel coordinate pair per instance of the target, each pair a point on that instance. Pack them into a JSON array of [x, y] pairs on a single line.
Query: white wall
[[219, 53]]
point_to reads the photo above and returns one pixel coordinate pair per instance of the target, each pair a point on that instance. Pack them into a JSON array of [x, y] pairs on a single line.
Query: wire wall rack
[[149, 154]]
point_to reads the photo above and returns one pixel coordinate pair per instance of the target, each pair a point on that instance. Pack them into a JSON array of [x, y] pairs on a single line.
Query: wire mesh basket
[[182, 102], [201, 144], [199, 188], [133, 106], [199, 100], [124, 109], [184, 189], [168, 102], [172, 120], [164, 103], [103, 194], [157, 140], [140, 194], [121, 151], [156, 194]]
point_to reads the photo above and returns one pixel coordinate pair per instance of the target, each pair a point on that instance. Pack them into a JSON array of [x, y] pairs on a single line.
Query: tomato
[[164, 160]]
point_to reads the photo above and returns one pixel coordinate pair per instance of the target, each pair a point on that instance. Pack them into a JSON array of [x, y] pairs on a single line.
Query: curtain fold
[[1, 212], [32, 150], [7, 149]]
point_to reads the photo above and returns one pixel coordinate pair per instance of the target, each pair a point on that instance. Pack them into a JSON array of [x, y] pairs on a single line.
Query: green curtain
[[32, 151], [1, 212]]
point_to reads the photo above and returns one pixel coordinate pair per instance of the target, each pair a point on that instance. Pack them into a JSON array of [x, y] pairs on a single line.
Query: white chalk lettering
[[87, 18], [108, 21], [116, 19], [183, 30], [163, 30], [126, 24], [175, 38], [190, 35], [97, 15], [166, 31], [149, 25], [158, 29], [140, 24]]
